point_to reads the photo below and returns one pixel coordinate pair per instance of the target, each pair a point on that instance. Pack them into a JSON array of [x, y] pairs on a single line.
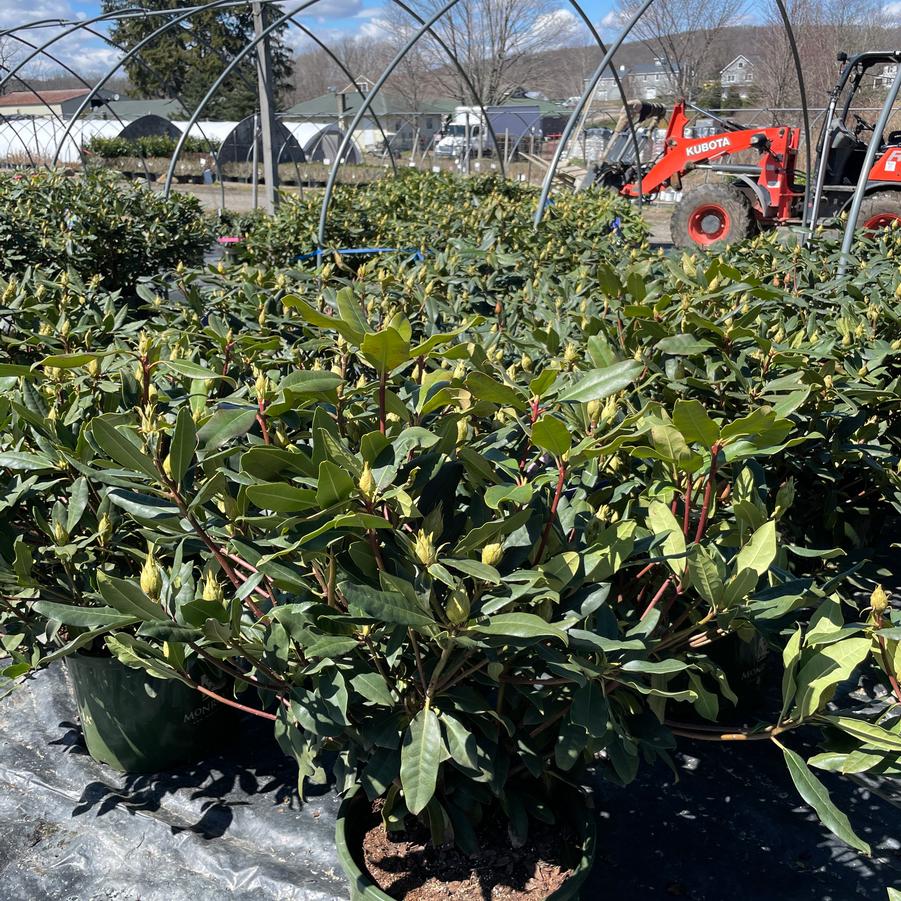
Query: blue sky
[[89, 54]]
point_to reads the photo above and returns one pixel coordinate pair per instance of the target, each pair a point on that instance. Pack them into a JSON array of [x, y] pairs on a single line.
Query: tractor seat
[[894, 139], [845, 158]]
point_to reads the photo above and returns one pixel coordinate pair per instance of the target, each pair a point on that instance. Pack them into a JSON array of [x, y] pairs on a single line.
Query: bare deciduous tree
[[498, 43], [822, 28], [683, 34]]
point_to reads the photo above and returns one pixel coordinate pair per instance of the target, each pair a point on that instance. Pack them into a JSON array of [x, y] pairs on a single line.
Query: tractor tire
[[712, 216], [880, 210]]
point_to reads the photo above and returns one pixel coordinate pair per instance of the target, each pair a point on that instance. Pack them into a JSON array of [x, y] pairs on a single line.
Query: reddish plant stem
[[261, 419], [708, 492], [226, 357], [145, 382], [723, 736], [886, 665], [457, 678], [561, 478], [230, 670], [268, 591], [419, 666], [533, 418], [258, 664], [686, 513], [214, 549], [383, 384], [548, 723], [229, 703], [374, 544], [656, 599]]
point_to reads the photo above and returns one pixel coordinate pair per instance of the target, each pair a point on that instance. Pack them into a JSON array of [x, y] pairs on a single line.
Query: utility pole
[[267, 112]]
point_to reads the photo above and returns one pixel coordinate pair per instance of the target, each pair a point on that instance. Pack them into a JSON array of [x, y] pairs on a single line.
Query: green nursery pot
[[137, 724], [354, 820]]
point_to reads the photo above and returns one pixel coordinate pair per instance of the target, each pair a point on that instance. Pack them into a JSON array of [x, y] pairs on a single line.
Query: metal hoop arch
[[364, 107]]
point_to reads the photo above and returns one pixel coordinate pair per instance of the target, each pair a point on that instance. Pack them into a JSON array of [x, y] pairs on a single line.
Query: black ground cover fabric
[[232, 827]]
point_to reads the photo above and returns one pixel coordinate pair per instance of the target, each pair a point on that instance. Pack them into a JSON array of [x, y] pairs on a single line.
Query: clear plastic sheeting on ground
[[229, 827], [232, 826]]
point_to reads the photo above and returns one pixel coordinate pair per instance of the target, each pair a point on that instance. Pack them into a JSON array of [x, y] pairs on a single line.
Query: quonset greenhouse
[[43, 140]]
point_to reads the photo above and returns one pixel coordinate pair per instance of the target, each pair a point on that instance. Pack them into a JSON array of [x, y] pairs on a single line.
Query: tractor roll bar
[[872, 149]]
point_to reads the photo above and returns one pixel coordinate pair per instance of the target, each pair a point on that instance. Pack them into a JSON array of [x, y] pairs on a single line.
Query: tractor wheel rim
[[880, 220], [708, 223]]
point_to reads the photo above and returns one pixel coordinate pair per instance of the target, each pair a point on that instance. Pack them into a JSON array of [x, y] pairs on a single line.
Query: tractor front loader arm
[[777, 147]]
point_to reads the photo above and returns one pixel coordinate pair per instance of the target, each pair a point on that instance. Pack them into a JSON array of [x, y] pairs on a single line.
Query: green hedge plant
[[409, 558], [98, 226]]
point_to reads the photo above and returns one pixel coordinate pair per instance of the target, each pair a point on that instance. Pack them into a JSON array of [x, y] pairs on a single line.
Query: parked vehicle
[[463, 134]]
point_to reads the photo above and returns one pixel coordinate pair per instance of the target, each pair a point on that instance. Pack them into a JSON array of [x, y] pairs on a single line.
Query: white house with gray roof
[[737, 76]]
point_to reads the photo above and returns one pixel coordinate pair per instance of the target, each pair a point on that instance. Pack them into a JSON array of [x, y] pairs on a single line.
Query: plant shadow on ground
[[253, 765], [732, 825]]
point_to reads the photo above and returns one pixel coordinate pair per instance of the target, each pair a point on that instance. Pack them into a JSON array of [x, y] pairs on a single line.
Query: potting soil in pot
[[409, 867]]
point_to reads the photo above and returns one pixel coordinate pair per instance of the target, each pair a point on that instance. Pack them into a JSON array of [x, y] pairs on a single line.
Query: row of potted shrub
[[471, 526]]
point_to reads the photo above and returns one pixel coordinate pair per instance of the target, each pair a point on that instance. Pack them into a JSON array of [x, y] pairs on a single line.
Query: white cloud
[[12, 14], [613, 19], [554, 28]]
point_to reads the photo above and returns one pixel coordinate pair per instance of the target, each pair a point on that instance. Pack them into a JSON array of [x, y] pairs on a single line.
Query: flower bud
[[94, 368], [60, 535], [492, 554], [212, 590], [570, 354], [879, 601], [424, 548], [457, 608], [151, 580], [104, 529], [366, 484], [525, 361]]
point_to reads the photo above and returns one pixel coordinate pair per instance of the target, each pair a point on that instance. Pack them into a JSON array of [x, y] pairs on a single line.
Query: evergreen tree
[[185, 60]]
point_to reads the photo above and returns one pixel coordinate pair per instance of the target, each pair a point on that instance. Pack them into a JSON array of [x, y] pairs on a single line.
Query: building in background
[[62, 103], [737, 78], [405, 127], [642, 81]]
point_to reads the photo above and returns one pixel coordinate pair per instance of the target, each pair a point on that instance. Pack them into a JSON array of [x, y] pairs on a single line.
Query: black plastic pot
[[744, 664], [137, 724], [354, 818]]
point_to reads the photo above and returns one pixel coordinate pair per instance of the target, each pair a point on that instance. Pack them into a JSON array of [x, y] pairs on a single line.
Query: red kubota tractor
[[765, 195]]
